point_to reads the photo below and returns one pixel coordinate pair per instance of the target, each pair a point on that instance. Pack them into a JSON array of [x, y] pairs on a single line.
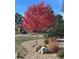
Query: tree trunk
[[36, 39]]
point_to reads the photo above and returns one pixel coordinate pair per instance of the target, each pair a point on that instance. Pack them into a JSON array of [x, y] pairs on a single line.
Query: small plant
[[60, 54], [46, 41]]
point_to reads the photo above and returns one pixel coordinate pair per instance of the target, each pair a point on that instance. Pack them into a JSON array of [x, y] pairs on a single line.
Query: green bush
[[57, 29]]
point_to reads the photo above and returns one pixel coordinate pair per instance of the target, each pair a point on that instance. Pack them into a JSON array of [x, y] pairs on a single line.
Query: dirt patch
[[32, 54]]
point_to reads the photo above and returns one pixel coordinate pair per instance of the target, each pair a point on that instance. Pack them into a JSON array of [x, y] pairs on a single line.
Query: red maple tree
[[38, 17]]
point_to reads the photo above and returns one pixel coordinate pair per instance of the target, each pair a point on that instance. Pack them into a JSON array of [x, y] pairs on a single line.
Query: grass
[[19, 40], [19, 50]]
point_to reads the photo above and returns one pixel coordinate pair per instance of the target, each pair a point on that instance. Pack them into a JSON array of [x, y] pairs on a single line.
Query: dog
[[42, 49]]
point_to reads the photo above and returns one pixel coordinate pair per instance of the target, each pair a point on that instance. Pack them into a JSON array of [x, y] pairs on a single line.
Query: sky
[[22, 5]]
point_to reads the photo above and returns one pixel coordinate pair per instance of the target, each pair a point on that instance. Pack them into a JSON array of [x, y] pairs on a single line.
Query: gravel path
[[32, 54]]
